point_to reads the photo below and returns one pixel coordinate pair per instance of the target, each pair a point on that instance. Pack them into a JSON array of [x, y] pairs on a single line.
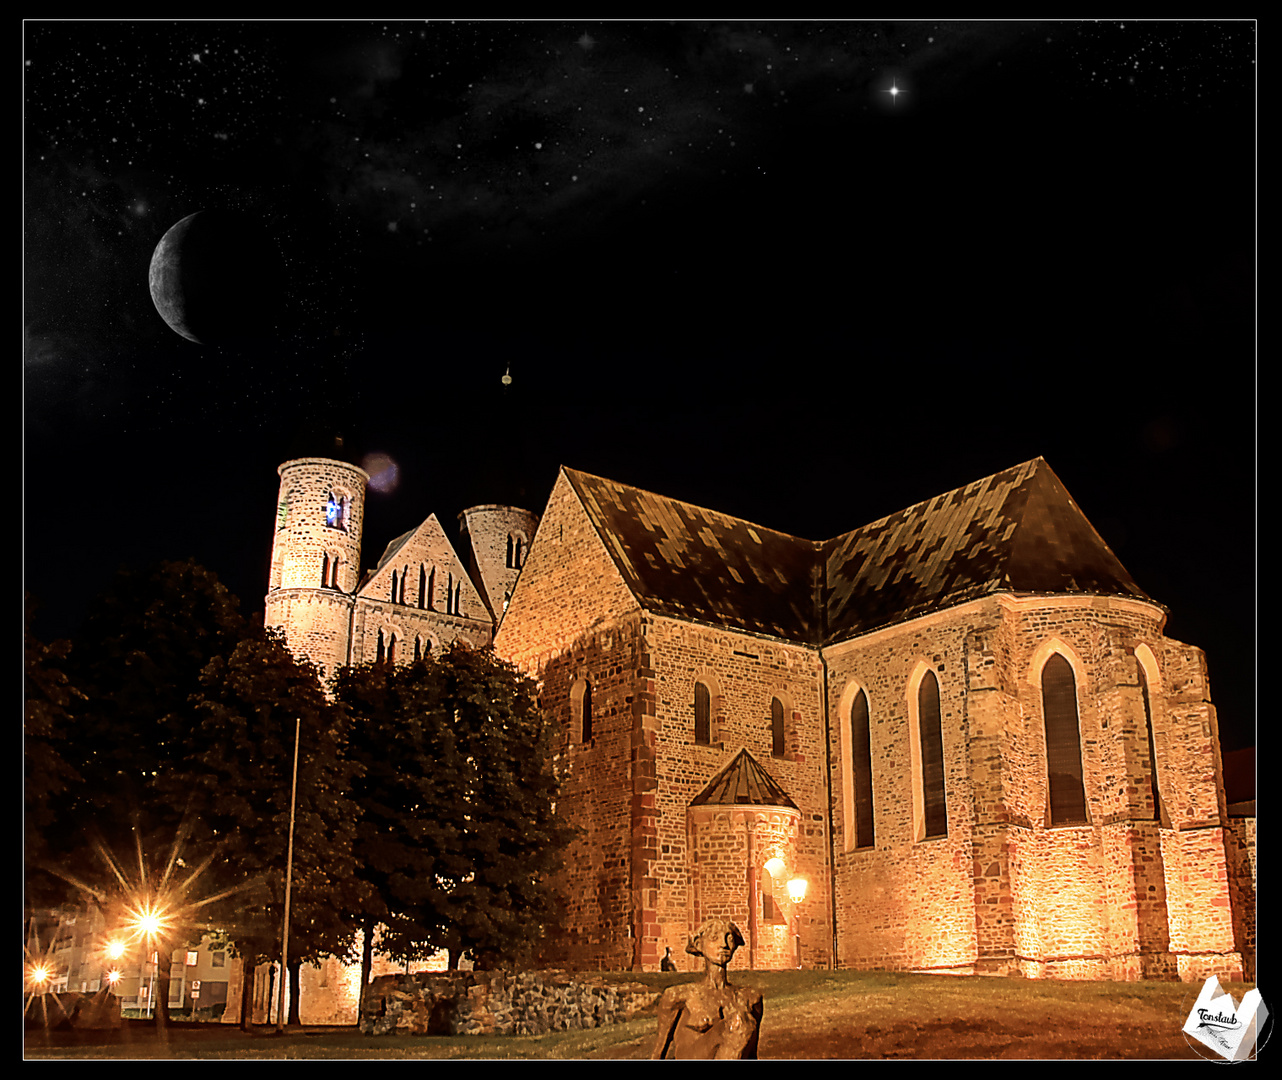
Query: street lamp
[[797, 893]]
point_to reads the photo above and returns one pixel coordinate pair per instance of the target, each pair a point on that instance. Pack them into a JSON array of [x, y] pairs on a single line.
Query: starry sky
[[803, 273]]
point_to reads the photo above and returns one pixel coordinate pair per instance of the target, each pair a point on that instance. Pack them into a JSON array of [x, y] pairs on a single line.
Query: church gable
[[420, 569], [568, 586]]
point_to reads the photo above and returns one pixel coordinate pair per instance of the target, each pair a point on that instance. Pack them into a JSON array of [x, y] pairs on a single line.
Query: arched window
[[418, 648], [770, 913], [391, 650], [776, 728], [333, 511], [702, 714], [325, 571], [382, 650], [930, 729], [1159, 808], [581, 711], [422, 586], [509, 549], [431, 590], [394, 580], [1066, 795], [449, 594], [516, 554], [333, 571], [458, 599], [861, 767]]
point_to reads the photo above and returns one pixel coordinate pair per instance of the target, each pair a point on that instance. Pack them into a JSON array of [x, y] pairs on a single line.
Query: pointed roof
[[688, 562], [1018, 530], [1015, 531], [743, 782]]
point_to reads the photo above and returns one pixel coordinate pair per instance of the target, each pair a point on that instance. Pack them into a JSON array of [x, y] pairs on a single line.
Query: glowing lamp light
[[775, 866], [115, 950], [113, 977], [39, 974], [797, 889], [149, 923]]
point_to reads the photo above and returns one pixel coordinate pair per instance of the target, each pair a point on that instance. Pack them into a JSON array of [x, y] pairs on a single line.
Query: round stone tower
[[316, 557], [498, 540]]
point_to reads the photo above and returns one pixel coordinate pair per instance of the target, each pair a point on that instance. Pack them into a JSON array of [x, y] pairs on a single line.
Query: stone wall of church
[[905, 903], [315, 622], [432, 629], [744, 673]]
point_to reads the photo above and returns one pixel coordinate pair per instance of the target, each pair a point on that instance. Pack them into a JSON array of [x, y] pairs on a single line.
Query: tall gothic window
[[776, 728], [449, 594], [394, 581], [516, 554], [1159, 811], [422, 586], [382, 649], [702, 714], [1066, 799], [509, 549], [861, 766], [431, 590], [333, 572], [935, 809], [391, 650]]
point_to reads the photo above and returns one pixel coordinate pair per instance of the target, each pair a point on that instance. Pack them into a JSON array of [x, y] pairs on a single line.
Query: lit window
[[192, 958]]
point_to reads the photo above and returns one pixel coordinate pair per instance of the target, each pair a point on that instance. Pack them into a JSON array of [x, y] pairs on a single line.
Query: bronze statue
[[710, 1019]]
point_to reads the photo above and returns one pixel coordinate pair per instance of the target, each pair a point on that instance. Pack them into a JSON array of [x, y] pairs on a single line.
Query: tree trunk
[[160, 1003], [248, 969], [295, 996], [367, 964], [455, 955]]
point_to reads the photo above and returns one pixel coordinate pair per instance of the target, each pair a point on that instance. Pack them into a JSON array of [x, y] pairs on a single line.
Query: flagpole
[[289, 874]]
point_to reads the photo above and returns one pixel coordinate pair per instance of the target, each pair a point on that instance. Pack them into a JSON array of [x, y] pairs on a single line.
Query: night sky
[[723, 262]]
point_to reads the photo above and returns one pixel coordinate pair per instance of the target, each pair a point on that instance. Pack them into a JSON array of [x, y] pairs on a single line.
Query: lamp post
[[797, 893]]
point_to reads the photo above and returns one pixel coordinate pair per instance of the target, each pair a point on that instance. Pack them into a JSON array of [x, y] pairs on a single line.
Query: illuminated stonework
[[696, 638]]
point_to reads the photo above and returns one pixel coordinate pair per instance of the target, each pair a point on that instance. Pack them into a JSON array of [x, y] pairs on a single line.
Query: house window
[[935, 810], [1066, 795], [861, 766], [702, 714], [218, 959], [776, 728]]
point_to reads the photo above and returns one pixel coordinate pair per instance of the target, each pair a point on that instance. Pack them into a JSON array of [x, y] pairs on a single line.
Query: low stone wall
[[497, 1003]]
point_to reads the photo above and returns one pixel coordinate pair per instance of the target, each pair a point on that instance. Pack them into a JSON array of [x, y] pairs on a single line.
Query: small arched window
[[702, 714], [325, 571], [418, 648], [581, 711], [391, 650], [458, 599], [422, 586], [431, 590], [382, 649], [509, 549], [516, 554], [394, 581], [333, 572], [1066, 795], [776, 728], [449, 594], [930, 728], [861, 766]]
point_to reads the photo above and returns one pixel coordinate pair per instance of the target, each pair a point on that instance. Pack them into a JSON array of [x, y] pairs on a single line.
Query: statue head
[[717, 940]]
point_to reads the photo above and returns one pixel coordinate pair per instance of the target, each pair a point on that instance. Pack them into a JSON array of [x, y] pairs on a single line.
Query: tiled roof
[[1016, 531], [743, 782], [685, 561]]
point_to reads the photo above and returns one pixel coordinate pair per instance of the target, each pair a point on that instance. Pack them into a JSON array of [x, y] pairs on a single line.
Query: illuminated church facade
[[955, 739]]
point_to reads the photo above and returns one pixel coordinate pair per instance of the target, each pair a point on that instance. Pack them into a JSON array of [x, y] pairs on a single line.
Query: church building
[[955, 739]]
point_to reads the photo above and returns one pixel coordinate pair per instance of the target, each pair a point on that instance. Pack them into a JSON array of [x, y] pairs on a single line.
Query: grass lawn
[[808, 1014]]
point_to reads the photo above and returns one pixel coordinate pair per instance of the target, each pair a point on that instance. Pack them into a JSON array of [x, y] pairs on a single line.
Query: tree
[[458, 832], [235, 783], [47, 725]]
